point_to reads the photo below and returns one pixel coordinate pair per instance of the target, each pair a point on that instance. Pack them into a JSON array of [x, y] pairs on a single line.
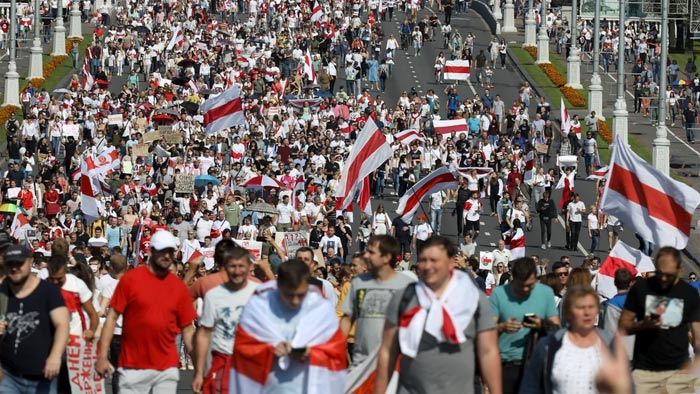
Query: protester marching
[[255, 197]]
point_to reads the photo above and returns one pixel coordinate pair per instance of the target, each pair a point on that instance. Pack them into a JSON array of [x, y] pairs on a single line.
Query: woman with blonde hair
[[579, 277], [569, 360]]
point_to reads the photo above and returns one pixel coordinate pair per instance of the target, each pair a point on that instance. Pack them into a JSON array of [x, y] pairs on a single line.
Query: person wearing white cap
[[155, 306]]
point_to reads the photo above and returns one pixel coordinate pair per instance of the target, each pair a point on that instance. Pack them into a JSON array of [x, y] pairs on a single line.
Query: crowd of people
[[154, 259]]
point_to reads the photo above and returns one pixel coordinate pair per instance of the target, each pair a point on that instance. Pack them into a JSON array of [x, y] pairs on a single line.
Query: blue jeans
[[56, 145], [395, 179], [436, 219], [690, 132], [379, 187], [11, 384]]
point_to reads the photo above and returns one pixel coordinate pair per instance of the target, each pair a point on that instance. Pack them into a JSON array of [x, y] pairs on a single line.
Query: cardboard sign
[[542, 148], [115, 120], [486, 261], [164, 129], [71, 130], [140, 150], [253, 247], [184, 183], [291, 241], [173, 138], [81, 355], [151, 136]]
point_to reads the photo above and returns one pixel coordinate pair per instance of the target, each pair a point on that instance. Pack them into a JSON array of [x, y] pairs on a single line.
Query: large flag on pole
[[316, 13], [223, 111], [364, 202], [436, 181], [621, 256], [368, 153], [309, 68], [452, 125], [409, 135], [177, 39], [565, 120], [89, 204], [658, 208]]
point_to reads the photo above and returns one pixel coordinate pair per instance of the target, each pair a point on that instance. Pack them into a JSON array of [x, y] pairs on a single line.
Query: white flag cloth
[[438, 180], [223, 111], [658, 208], [621, 256], [369, 152]]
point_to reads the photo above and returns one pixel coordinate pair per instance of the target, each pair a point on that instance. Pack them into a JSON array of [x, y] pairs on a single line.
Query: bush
[[573, 96], [557, 79], [604, 131]]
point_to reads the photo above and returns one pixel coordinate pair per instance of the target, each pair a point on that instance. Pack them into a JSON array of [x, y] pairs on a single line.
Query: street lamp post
[[11, 76], [36, 66], [620, 114], [76, 28], [661, 144], [573, 62], [497, 9], [543, 38], [509, 18], [530, 26], [595, 90], [59, 36]]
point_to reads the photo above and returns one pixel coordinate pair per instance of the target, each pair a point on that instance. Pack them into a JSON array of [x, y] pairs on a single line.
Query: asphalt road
[[417, 72]]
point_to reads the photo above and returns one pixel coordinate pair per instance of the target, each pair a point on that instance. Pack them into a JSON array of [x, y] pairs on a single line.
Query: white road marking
[[482, 223], [487, 234], [471, 87], [578, 246], [492, 244]]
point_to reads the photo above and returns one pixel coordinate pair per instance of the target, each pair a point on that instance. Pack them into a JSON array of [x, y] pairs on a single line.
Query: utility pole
[[573, 62], [595, 90]]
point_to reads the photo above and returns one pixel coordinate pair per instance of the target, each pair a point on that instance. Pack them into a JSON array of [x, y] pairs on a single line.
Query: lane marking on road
[[482, 223], [487, 234], [471, 87], [492, 244]]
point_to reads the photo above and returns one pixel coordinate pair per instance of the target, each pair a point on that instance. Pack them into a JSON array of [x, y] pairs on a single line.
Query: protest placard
[[184, 183], [71, 130], [115, 120], [164, 129], [172, 137], [140, 150], [486, 261], [81, 355], [291, 241], [253, 247], [151, 136]]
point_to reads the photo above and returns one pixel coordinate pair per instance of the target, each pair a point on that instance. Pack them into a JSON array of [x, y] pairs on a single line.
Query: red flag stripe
[[330, 355], [658, 204], [221, 111], [613, 263], [374, 143], [252, 358], [457, 69], [406, 318], [420, 193], [448, 327]]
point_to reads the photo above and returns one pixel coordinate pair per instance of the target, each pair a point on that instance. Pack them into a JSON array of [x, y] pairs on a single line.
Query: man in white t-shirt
[[202, 226], [222, 308], [501, 255], [421, 232], [330, 240], [284, 219], [437, 203], [472, 215], [574, 218]]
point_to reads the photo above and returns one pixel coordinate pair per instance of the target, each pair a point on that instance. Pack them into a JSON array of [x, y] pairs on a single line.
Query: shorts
[[472, 225], [614, 229]]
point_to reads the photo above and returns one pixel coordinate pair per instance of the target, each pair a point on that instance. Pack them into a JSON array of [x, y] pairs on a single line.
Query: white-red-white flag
[[316, 13], [436, 181], [481, 172], [89, 204], [658, 208], [309, 68], [177, 39], [409, 135], [565, 120], [104, 163], [457, 70], [599, 173], [365, 200], [369, 152], [193, 85], [318, 331], [223, 111], [621, 256], [452, 125], [88, 79], [515, 241], [530, 167], [20, 224]]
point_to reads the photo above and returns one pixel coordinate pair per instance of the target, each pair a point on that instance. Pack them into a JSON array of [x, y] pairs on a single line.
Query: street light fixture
[[11, 76]]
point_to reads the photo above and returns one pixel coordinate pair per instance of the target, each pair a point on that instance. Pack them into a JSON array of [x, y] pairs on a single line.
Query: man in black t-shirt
[[34, 329], [660, 311], [690, 118]]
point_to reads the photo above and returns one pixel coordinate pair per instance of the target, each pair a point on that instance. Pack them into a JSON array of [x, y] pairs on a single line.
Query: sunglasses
[[562, 274]]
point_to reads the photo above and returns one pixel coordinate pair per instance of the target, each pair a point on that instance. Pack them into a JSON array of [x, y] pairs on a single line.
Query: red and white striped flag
[[457, 70], [316, 13], [565, 120], [20, 224], [621, 256], [409, 135], [257, 335], [88, 203], [515, 240], [192, 85], [658, 208], [177, 39], [481, 172], [369, 152], [600, 173], [365, 200], [88, 79], [530, 167], [452, 125], [105, 162], [223, 111], [436, 181], [309, 68], [76, 174]]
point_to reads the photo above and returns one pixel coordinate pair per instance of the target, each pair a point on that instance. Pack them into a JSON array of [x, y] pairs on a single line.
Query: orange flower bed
[[557, 79], [53, 64], [573, 96], [36, 82], [604, 131], [532, 50], [70, 41]]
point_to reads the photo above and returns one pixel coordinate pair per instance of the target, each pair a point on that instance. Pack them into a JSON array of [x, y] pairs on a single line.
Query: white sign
[[486, 261], [81, 355], [253, 247], [116, 120], [291, 241], [71, 130]]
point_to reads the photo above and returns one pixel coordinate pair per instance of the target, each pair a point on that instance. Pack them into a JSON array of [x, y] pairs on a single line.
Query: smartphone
[[655, 316], [298, 352], [529, 318], [261, 238]]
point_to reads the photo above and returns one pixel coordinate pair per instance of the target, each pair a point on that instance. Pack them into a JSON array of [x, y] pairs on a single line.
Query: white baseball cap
[[163, 239]]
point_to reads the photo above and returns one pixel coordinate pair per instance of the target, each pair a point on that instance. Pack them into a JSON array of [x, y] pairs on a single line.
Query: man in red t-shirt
[[155, 306]]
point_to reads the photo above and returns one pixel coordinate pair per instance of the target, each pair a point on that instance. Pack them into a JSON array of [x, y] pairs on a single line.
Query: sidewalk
[[640, 128]]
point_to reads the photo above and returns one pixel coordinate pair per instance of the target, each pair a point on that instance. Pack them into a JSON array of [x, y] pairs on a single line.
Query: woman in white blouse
[[569, 360], [381, 223]]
